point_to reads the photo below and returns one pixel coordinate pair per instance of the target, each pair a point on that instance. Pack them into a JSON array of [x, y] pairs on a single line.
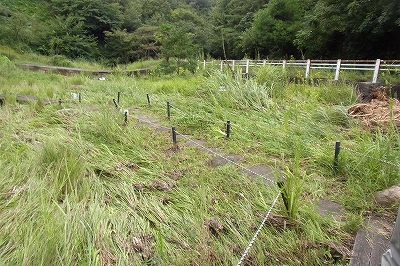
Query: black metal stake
[[115, 103], [80, 97], [148, 98], [126, 117], [336, 159], [281, 185], [118, 96], [168, 110], [174, 136], [60, 101], [228, 128]]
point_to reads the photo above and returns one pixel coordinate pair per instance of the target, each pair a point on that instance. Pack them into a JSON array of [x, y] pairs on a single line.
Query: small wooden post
[[168, 111], [264, 62], [336, 159], [174, 136], [222, 65], [281, 185], [284, 64], [376, 70], [233, 65], [339, 62], [247, 67], [204, 64], [228, 128], [308, 68], [148, 98], [125, 117]]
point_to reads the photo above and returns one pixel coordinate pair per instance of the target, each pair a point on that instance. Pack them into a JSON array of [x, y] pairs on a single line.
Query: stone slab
[[328, 208], [225, 159], [371, 242]]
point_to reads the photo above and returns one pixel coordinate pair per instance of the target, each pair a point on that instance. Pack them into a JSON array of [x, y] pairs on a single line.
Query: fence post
[[204, 64], [233, 65], [222, 64], [168, 111], [339, 62], [284, 64], [228, 128], [281, 185], [376, 71], [80, 97], [125, 117], [336, 159], [148, 98], [115, 103], [264, 62], [118, 96], [174, 136], [247, 67], [308, 68]]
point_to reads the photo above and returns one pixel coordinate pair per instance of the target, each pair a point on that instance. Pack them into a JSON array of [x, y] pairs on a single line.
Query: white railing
[[374, 66]]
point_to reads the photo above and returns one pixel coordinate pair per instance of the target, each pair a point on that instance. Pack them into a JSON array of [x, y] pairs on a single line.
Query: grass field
[[78, 186]]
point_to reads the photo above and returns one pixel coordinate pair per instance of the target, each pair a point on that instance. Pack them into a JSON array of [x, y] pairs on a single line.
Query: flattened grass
[[79, 187]]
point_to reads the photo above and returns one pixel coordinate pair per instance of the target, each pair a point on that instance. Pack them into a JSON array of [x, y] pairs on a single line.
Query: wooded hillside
[[122, 31]]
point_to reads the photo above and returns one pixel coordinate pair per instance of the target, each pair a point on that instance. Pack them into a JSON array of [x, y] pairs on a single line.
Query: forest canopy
[[123, 31]]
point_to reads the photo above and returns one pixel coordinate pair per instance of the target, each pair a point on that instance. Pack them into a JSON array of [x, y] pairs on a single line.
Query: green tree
[[177, 44], [98, 15], [274, 29], [145, 44], [118, 47], [230, 20], [155, 12], [69, 38], [360, 29]]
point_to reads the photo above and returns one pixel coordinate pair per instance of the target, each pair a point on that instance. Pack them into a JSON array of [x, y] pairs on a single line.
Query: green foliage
[[177, 45], [274, 28], [98, 16], [117, 48], [342, 29], [69, 38], [60, 60], [145, 44]]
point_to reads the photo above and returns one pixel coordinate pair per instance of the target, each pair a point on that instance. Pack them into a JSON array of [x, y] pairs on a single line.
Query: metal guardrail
[[374, 66]]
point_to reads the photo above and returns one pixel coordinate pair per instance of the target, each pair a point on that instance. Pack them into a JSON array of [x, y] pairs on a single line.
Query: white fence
[[374, 66]]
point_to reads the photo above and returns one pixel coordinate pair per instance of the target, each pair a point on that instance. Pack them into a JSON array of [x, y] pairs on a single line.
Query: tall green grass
[[79, 187]]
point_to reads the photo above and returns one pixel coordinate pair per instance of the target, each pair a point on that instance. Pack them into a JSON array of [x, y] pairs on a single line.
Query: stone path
[[371, 242]]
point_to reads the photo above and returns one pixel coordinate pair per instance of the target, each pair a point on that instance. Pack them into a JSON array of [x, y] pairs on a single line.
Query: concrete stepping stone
[[371, 242], [145, 120], [327, 208], [219, 161], [25, 98], [262, 170]]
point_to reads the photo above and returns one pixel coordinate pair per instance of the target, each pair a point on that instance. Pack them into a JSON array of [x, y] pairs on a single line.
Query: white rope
[[258, 230], [213, 152], [373, 158]]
